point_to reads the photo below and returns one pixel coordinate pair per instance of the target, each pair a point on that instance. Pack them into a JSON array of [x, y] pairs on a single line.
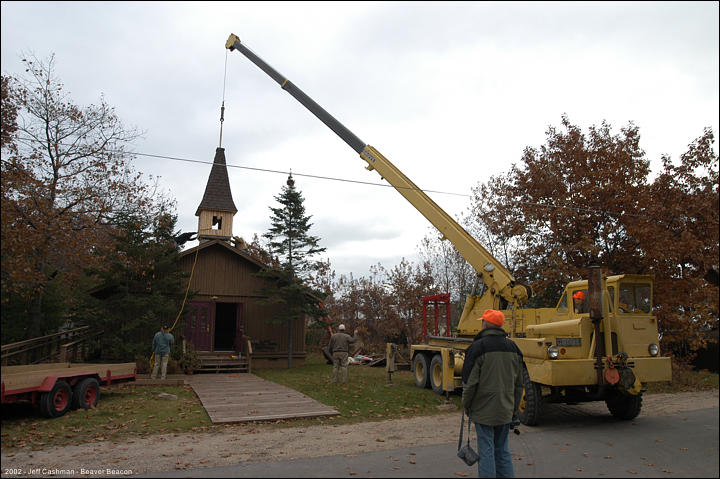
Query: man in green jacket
[[492, 390]]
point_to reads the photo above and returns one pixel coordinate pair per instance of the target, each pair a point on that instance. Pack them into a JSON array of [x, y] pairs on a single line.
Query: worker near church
[[162, 342], [492, 390], [339, 349]]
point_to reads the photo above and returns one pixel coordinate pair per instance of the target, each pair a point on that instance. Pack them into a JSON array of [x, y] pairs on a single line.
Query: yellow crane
[[572, 354]]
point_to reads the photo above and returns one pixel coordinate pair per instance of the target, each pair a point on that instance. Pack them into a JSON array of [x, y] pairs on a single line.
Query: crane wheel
[[624, 406], [531, 402], [421, 371], [436, 374], [57, 401]]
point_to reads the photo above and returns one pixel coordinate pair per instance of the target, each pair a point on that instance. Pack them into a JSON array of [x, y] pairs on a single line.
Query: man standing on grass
[[339, 348], [492, 390], [161, 348]]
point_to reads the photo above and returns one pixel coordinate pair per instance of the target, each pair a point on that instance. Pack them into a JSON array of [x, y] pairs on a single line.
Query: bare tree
[[64, 178]]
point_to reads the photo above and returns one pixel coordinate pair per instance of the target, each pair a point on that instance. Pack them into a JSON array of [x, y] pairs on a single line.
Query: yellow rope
[[182, 307]]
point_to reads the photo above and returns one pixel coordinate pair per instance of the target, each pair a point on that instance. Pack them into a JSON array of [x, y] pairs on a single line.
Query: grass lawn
[[127, 412], [366, 395], [123, 411]]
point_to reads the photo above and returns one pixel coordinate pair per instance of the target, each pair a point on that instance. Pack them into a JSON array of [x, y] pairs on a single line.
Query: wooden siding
[[205, 226], [228, 276]]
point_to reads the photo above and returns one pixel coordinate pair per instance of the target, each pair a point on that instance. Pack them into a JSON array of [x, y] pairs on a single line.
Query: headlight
[[553, 352], [653, 349]]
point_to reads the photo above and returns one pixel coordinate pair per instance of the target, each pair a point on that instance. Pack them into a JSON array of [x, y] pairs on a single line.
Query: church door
[[197, 327]]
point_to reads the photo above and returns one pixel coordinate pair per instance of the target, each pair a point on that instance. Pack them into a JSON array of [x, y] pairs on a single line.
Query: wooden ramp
[[246, 397]]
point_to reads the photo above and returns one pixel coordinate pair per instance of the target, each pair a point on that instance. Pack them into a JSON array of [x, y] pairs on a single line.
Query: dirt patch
[[257, 443]]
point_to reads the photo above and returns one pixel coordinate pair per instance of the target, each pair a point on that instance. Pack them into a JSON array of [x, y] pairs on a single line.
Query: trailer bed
[[39, 378]]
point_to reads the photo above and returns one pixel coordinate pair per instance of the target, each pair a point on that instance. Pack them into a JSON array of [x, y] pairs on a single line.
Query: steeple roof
[[217, 195]]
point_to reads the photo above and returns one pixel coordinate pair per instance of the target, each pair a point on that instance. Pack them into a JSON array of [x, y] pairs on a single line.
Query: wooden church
[[224, 317]]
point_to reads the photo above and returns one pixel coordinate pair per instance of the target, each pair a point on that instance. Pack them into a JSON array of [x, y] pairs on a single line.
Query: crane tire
[[624, 406], [531, 403], [435, 374], [421, 371]]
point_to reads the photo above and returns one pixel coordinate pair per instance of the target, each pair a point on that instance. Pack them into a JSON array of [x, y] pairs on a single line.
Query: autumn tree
[[677, 237], [65, 174], [290, 242], [385, 306], [584, 197]]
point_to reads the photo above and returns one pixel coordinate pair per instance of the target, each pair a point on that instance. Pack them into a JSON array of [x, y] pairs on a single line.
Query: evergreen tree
[[142, 287], [290, 241]]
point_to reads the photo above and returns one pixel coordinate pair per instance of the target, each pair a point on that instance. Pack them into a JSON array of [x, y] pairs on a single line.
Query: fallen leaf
[[632, 472], [607, 457], [579, 469], [412, 462], [462, 474]]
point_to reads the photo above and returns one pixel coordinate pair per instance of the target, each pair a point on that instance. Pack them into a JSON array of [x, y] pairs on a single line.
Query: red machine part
[[436, 301]]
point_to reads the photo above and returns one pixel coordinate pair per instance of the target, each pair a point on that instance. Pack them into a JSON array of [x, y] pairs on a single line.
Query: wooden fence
[[65, 346]]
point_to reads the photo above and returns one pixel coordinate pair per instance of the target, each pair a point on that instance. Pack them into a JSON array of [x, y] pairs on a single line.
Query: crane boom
[[499, 281]]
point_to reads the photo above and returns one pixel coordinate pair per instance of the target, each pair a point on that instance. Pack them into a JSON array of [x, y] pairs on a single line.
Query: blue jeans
[[495, 459]]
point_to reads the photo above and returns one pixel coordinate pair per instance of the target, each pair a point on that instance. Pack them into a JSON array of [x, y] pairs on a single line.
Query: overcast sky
[[450, 92]]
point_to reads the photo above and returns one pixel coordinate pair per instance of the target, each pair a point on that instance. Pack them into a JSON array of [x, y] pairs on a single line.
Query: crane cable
[[197, 250], [222, 108]]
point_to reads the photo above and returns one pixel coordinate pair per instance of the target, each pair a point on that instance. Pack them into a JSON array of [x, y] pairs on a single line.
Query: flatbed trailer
[[58, 387]]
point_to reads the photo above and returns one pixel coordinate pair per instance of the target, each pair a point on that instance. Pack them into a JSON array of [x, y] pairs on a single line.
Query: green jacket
[[340, 342], [492, 378]]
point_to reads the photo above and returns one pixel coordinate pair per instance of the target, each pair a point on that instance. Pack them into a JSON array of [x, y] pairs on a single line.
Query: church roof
[[217, 195]]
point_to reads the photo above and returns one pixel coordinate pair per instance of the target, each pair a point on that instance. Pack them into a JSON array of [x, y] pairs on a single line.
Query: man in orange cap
[[579, 302], [492, 390]]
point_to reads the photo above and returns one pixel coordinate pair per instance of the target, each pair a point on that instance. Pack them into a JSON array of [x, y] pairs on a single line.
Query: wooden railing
[[69, 345]]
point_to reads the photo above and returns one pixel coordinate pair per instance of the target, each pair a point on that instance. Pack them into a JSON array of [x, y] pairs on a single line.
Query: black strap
[[462, 424]]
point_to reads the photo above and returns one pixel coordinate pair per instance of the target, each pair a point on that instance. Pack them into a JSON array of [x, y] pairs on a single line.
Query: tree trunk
[[34, 324]]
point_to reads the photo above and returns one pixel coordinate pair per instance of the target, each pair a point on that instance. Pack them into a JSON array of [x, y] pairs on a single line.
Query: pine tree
[[142, 287], [290, 241]]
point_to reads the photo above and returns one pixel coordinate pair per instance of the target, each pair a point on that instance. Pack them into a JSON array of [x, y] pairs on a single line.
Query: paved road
[[677, 445]]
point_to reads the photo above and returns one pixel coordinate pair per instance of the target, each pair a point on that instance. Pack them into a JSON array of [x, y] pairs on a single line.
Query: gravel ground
[[258, 443]]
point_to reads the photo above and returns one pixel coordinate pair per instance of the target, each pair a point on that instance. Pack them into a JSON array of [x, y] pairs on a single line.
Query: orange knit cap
[[579, 295], [493, 316]]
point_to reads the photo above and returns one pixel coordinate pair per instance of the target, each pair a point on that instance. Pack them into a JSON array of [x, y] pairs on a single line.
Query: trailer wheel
[[624, 406], [531, 403], [436, 374], [421, 371], [86, 394], [57, 401]]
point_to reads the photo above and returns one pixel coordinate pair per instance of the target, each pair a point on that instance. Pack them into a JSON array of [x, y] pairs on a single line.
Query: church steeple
[[216, 210]]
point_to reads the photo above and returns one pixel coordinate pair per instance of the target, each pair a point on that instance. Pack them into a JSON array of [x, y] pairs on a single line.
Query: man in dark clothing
[[492, 390], [339, 348]]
